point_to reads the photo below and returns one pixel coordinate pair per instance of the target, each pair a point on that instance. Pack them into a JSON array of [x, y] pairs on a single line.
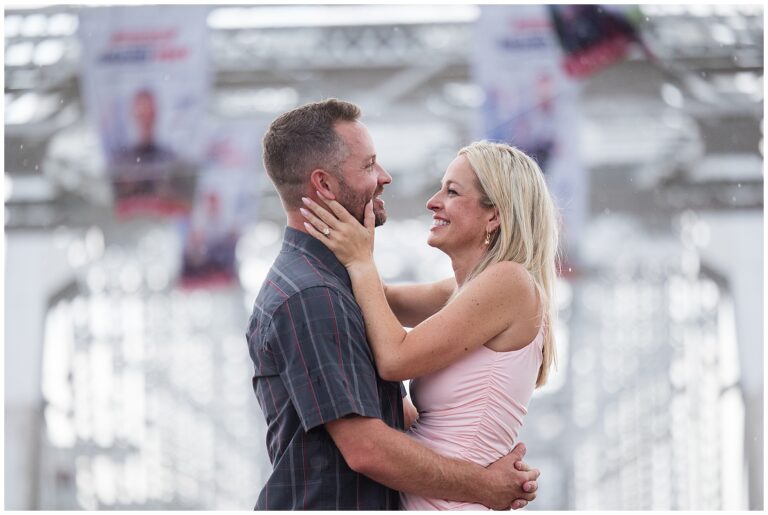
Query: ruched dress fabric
[[473, 410]]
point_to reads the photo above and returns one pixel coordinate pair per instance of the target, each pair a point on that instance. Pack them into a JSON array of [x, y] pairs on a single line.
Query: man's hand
[[512, 483], [410, 412], [530, 487]]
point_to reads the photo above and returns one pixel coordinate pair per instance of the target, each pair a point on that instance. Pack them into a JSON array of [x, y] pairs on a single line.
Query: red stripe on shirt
[[278, 289], [303, 361], [336, 331]]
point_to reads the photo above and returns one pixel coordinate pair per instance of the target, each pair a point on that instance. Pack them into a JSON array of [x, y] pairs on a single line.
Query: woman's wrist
[[362, 267]]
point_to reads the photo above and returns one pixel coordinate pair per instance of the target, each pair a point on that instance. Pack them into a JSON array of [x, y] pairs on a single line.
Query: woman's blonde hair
[[513, 183]]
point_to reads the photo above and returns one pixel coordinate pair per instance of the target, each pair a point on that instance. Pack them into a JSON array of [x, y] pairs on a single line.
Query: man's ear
[[324, 182]]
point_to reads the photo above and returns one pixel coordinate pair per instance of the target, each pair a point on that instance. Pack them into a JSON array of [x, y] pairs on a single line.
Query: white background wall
[[735, 249], [34, 269]]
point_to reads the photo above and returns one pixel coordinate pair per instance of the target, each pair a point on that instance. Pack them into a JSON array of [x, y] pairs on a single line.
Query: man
[[335, 435]]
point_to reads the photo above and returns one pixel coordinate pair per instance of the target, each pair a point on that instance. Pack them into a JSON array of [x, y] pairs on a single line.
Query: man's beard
[[355, 203]]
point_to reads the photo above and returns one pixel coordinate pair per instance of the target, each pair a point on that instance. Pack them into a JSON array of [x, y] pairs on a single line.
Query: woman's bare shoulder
[[508, 273]]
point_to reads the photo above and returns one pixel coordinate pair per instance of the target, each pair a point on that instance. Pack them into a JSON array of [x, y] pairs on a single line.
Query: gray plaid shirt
[[312, 365]]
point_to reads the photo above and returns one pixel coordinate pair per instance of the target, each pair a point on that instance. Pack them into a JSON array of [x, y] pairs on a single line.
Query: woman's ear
[[324, 182], [494, 221]]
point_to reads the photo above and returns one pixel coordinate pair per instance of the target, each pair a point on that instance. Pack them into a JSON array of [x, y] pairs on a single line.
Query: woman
[[480, 342]]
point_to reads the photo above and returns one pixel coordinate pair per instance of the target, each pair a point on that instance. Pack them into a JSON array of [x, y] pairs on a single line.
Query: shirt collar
[[295, 240]]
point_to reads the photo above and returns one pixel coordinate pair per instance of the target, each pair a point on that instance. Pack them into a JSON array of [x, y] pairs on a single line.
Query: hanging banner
[[530, 102], [227, 199], [145, 84], [593, 37]]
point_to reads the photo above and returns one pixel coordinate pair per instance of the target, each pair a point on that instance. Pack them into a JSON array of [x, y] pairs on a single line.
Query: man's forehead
[[356, 136]]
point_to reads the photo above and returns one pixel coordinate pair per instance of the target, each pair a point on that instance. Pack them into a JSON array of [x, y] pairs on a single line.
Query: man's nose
[[384, 177]]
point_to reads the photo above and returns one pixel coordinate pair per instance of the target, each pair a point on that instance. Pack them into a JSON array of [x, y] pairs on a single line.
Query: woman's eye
[[451, 191]]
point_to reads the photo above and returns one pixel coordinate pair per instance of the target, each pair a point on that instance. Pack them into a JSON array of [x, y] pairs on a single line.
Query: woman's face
[[459, 220]]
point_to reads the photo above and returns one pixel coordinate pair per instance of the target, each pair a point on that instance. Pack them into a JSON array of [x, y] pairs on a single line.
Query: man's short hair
[[303, 140]]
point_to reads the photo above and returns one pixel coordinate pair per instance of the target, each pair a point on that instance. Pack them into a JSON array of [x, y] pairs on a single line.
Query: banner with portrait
[[530, 102], [145, 85], [227, 199]]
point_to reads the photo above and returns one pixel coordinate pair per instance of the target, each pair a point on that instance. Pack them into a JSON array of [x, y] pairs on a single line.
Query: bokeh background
[[127, 290]]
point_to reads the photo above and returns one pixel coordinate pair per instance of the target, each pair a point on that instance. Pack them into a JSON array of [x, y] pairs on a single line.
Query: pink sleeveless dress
[[473, 410]]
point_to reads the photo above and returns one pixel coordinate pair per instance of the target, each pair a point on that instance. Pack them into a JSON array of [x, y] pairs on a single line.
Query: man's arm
[[393, 459]]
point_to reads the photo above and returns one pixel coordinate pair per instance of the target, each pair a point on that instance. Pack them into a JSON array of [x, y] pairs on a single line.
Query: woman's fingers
[[370, 218], [314, 232], [337, 209], [320, 212], [315, 221], [326, 238]]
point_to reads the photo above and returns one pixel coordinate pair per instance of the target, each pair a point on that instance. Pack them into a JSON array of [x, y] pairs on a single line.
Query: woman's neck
[[464, 262]]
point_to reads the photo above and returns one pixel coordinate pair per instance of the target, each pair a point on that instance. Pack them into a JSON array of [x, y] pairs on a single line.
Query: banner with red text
[[145, 84], [530, 101]]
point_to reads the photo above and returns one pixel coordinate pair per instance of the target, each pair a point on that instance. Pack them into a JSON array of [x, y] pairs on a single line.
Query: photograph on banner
[[145, 84], [593, 37], [227, 199], [531, 103]]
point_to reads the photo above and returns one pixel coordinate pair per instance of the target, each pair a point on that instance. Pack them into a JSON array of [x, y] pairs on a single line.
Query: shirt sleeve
[[325, 362]]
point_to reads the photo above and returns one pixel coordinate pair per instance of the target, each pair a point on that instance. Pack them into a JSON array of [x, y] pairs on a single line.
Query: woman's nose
[[433, 202]]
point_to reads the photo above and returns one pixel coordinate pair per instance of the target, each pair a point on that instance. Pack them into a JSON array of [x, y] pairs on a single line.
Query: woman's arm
[[414, 303], [483, 309]]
